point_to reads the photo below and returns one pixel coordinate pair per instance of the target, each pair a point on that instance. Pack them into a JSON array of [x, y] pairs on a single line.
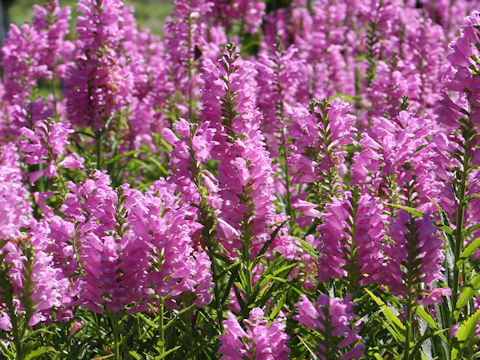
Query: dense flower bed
[[270, 180]]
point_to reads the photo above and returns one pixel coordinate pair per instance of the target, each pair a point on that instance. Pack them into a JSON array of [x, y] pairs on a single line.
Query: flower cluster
[[332, 319], [415, 255], [260, 340], [255, 156]]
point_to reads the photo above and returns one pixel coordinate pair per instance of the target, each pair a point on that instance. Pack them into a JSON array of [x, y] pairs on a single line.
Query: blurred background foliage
[[150, 14]]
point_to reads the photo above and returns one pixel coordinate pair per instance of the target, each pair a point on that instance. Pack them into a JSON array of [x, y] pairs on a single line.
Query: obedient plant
[[264, 180], [330, 321], [260, 340]]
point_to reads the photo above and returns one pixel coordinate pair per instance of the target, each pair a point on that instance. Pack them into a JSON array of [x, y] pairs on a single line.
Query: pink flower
[[100, 84], [259, 341], [335, 315], [245, 174], [417, 241], [436, 296], [400, 163], [317, 152], [349, 223], [15, 210]]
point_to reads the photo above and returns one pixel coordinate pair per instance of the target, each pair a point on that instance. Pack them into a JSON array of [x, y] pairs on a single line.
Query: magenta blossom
[[260, 340], [337, 316]]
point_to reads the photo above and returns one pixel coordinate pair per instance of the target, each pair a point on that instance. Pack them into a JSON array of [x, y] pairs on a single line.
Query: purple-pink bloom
[[415, 246], [350, 224], [335, 314], [15, 210], [317, 151], [245, 173], [44, 140], [100, 83], [258, 341]]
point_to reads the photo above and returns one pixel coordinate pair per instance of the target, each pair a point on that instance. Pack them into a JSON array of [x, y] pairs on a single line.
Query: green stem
[[409, 328], [98, 146], [116, 335], [288, 195], [52, 87], [459, 238], [17, 339], [190, 65], [162, 330], [216, 290]]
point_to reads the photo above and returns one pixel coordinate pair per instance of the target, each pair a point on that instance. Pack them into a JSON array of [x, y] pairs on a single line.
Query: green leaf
[[279, 306], [309, 349], [396, 335], [166, 145], [231, 280], [121, 156], [104, 357], [389, 315], [168, 352], [471, 197], [5, 350], [239, 297], [471, 248], [40, 351], [346, 97], [467, 293], [267, 244], [135, 355], [465, 333], [158, 164], [308, 248], [445, 228], [425, 337], [471, 229], [36, 332], [420, 311], [171, 321], [406, 208]]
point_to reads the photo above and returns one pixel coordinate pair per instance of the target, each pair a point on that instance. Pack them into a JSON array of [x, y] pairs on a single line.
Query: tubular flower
[[245, 169], [22, 48], [462, 81], [91, 205], [331, 321], [277, 81], [15, 210], [36, 51], [45, 142], [350, 240], [399, 162], [250, 12], [27, 272], [186, 36], [459, 116], [53, 20], [100, 84], [414, 255], [317, 153], [175, 271], [259, 341]]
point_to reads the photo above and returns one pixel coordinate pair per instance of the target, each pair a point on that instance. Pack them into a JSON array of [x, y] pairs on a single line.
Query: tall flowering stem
[[458, 114], [331, 322], [414, 263], [350, 241], [317, 154], [260, 340]]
